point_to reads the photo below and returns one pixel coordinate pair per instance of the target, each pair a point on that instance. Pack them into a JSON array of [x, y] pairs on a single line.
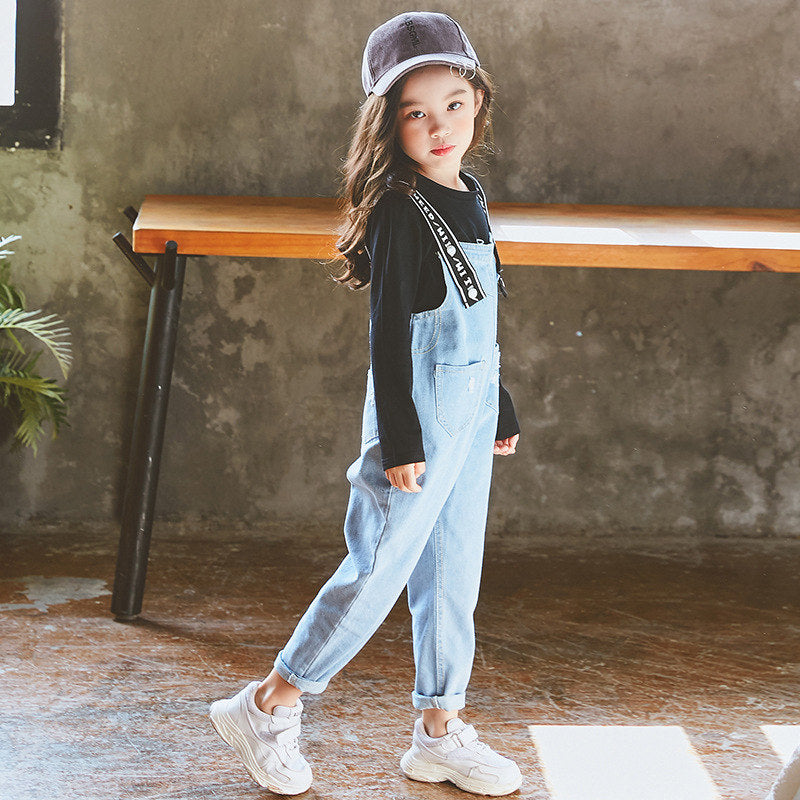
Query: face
[[436, 120]]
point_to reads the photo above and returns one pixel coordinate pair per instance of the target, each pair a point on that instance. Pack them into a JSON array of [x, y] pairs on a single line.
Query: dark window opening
[[34, 120]]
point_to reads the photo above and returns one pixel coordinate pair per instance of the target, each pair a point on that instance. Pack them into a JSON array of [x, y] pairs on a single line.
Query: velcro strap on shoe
[[285, 737], [466, 735], [450, 743]]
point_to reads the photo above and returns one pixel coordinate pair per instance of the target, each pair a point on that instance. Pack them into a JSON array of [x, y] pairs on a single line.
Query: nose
[[439, 128]]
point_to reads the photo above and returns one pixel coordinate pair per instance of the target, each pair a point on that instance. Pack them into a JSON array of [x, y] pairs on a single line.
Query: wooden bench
[[728, 239], [176, 227]]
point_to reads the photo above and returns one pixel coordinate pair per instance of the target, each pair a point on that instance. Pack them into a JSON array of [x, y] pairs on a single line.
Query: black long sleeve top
[[408, 277]]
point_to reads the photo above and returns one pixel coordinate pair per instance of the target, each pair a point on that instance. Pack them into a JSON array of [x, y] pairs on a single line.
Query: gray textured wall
[[651, 402]]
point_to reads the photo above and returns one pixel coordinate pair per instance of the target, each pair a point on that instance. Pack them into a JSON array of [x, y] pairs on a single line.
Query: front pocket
[[458, 390]]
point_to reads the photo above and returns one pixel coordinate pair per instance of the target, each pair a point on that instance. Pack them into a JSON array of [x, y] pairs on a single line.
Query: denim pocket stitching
[[437, 327], [440, 370]]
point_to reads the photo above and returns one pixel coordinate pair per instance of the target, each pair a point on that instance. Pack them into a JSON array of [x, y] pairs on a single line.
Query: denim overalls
[[430, 541]]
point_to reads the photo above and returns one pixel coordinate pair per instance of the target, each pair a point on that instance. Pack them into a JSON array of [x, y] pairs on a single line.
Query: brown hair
[[376, 163]]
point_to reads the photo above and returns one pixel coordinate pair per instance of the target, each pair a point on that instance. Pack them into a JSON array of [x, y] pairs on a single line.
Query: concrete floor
[[613, 674]]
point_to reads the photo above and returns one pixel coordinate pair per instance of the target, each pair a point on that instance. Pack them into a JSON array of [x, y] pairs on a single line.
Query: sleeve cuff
[[507, 424], [398, 459]]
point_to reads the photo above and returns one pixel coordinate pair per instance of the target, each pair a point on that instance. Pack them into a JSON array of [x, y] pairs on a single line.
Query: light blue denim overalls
[[430, 541]]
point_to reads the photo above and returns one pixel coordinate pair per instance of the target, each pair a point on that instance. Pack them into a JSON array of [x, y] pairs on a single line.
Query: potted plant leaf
[[29, 399]]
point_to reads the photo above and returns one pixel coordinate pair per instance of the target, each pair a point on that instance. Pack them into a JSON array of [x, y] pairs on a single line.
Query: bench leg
[[148, 434]]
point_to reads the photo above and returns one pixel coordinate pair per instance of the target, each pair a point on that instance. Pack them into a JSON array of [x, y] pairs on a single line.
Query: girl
[[416, 228]]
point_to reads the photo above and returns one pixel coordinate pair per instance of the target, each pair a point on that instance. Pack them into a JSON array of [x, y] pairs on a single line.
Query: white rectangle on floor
[[784, 739], [631, 762]]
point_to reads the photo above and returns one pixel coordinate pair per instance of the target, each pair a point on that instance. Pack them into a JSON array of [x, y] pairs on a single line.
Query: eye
[[456, 103]]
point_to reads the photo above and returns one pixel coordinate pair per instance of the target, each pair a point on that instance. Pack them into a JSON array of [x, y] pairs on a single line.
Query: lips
[[443, 151]]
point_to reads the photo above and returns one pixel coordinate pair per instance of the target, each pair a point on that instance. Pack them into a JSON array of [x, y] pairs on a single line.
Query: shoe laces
[[471, 740], [292, 748], [467, 737], [478, 746]]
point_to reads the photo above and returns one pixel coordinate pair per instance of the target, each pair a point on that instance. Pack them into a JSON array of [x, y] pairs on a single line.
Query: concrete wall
[[652, 403]]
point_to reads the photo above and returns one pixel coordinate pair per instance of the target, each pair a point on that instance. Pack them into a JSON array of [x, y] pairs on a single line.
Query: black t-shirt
[[407, 277]]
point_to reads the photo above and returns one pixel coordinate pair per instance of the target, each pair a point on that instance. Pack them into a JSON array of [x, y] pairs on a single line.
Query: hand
[[505, 447], [405, 476]]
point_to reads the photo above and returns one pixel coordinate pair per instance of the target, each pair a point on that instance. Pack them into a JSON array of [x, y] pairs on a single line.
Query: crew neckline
[[456, 194]]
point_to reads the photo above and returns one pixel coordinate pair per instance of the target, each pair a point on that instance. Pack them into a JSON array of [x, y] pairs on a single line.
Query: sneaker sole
[[436, 773], [230, 734]]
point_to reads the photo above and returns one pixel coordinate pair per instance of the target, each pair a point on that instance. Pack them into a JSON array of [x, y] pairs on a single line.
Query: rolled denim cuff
[[298, 681], [447, 702]]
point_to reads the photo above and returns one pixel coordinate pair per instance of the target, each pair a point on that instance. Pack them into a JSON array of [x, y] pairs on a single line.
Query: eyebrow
[[419, 102]]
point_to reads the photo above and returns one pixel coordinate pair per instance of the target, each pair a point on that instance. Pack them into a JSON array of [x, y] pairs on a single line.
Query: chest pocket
[[425, 326], [459, 390]]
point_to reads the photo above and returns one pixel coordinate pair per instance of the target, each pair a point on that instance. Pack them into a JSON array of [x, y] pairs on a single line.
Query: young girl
[[416, 228]]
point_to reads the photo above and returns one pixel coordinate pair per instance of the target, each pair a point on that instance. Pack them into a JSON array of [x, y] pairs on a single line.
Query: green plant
[[30, 399]]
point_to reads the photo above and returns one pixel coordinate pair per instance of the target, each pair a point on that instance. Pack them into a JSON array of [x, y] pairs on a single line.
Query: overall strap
[[451, 253], [482, 197]]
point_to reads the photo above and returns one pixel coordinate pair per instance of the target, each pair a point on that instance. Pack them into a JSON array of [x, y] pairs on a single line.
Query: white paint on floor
[[42, 592], [784, 739], [631, 762]]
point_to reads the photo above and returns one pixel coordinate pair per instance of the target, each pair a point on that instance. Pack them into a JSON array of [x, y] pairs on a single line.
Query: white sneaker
[[266, 743], [461, 758]]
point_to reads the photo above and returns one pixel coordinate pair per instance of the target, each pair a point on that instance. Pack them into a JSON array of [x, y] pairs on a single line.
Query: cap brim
[[385, 82]]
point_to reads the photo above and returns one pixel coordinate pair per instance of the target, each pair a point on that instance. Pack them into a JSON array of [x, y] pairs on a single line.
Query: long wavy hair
[[376, 163]]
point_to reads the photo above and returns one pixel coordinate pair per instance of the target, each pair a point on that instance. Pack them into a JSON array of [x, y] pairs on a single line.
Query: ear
[[478, 101]]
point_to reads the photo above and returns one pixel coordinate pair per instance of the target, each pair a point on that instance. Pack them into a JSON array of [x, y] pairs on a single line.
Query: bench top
[[657, 237]]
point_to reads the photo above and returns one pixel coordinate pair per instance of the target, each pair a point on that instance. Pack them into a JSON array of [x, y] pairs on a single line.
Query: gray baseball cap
[[411, 40]]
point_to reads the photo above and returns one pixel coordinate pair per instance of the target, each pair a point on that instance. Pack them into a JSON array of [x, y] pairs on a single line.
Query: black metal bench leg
[[148, 434]]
